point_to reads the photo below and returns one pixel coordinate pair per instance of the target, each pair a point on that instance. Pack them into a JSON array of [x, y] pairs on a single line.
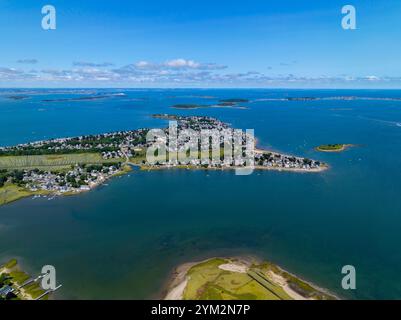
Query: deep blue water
[[122, 240]]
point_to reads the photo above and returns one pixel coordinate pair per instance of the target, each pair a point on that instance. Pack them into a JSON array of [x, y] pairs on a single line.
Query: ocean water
[[123, 240]]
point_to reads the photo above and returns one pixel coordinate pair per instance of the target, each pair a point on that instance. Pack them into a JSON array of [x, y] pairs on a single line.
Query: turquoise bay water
[[123, 240]]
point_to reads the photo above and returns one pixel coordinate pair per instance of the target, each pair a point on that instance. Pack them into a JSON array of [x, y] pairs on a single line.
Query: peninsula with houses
[[67, 166]]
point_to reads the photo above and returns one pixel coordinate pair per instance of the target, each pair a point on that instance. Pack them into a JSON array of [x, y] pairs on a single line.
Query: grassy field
[[261, 281], [208, 281], [296, 284], [139, 157], [11, 192], [51, 162], [10, 264]]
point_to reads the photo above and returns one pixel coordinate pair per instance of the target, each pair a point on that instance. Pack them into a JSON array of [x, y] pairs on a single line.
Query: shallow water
[[122, 240]]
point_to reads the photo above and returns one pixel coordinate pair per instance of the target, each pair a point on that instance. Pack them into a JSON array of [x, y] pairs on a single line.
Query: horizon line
[[205, 88]]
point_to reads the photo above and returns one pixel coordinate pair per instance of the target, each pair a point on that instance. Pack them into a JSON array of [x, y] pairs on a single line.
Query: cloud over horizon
[[92, 64], [175, 72], [176, 64]]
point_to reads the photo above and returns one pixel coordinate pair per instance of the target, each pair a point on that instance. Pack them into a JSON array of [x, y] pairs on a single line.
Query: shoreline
[[24, 286], [145, 167], [177, 282], [179, 278], [256, 168]]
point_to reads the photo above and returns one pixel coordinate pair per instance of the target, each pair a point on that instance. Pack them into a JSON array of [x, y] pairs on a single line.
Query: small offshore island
[[239, 279], [68, 166], [225, 103], [333, 147]]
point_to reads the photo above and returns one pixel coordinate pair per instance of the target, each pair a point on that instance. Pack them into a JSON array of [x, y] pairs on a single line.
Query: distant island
[[86, 98], [189, 106], [302, 98], [202, 106], [225, 103], [18, 97], [235, 100], [333, 147], [15, 284], [68, 166], [333, 98], [239, 279]]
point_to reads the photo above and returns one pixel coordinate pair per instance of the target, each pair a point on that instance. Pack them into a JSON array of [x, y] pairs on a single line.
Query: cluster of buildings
[[276, 160], [228, 144], [6, 292], [117, 154], [81, 178], [200, 140], [198, 123], [108, 144]]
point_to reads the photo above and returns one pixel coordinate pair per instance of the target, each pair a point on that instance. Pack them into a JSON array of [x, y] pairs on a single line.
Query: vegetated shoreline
[[17, 276], [334, 148], [178, 278]]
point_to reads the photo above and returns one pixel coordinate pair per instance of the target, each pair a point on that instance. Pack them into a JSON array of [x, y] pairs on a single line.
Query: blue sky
[[264, 43]]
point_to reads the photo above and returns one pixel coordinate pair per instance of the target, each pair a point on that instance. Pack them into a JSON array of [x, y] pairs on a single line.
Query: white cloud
[[143, 64], [92, 64], [372, 78], [177, 64], [182, 63], [183, 71]]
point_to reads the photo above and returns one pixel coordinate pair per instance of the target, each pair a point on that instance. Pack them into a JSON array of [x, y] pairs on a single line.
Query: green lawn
[[10, 264], [51, 162], [11, 192]]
